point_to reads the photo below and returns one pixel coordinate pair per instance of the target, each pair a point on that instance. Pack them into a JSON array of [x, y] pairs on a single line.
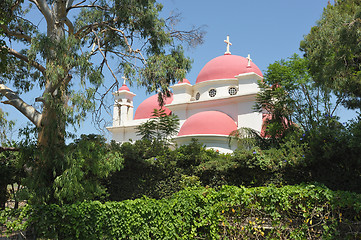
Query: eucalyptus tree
[[334, 51], [60, 49]]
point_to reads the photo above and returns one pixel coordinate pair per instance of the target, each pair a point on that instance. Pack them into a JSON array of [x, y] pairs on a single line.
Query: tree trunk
[[51, 145], [3, 196], [51, 138]]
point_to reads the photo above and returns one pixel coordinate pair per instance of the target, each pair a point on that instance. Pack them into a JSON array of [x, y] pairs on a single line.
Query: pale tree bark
[[27, 110]]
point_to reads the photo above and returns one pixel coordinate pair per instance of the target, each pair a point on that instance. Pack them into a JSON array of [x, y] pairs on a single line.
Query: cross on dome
[[228, 44], [124, 79], [249, 60]]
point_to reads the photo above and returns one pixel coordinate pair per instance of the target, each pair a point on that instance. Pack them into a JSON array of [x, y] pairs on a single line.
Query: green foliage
[[5, 127], [328, 154], [333, 156], [158, 172], [160, 127], [11, 174], [291, 98], [247, 138], [63, 60], [152, 169], [333, 50], [89, 160], [290, 212], [4, 18], [160, 69]]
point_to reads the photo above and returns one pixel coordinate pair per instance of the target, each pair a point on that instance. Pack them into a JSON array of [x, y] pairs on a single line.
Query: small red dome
[[146, 108], [124, 87], [226, 66], [184, 81], [208, 122]]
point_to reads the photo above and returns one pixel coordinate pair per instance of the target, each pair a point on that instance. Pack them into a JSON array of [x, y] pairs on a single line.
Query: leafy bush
[[290, 212], [319, 155], [333, 157], [89, 160]]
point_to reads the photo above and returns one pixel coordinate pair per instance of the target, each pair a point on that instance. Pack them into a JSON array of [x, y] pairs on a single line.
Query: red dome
[[209, 122], [146, 108], [124, 87], [226, 66], [184, 81]]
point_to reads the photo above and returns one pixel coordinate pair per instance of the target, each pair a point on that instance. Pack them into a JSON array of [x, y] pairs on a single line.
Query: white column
[[130, 112], [115, 115], [124, 112]]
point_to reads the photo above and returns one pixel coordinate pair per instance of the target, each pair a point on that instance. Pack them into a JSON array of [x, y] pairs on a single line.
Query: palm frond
[[246, 138]]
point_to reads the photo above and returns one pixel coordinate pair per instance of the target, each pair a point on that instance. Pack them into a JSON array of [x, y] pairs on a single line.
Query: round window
[[212, 92], [232, 91], [198, 95]]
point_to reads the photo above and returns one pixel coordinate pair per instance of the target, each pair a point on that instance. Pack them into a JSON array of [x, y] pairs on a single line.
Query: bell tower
[[123, 106]]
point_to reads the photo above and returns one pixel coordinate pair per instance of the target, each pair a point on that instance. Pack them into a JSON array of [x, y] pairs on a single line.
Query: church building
[[220, 101]]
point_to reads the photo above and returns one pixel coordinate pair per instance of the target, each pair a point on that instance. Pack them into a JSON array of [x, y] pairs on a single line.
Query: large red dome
[[225, 67], [208, 122], [146, 108]]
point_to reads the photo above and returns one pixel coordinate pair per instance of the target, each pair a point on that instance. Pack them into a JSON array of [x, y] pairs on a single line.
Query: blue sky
[[268, 30]]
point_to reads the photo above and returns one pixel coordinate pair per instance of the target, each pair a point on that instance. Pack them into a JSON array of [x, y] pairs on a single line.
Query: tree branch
[[27, 110], [90, 27], [105, 58], [26, 59], [68, 6], [16, 4], [86, 6], [45, 10], [125, 38], [50, 87], [9, 149], [69, 3], [18, 35], [70, 25]]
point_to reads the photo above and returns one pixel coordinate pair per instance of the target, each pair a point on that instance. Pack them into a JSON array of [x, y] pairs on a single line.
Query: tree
[[89, 161], [334, 51], [291, 98], [3, 51], [5, 127], [161, 127], [64, 58], [11, 175]]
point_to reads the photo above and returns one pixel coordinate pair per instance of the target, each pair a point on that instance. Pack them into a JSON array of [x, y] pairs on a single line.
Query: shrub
[[290, 212]]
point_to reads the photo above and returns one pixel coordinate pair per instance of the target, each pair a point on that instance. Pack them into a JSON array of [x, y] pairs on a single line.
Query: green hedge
[[290, 212]]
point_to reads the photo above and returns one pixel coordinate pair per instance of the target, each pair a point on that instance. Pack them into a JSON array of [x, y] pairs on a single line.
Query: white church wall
[[182, 93], [221, 86], [248, 83], [247, 117], [127, 131]]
